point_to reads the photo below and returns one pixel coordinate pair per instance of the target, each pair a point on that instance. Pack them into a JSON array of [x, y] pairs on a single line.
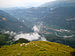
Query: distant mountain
[[34, 14], [10, 23], [56, 4], [62, 17], [30, 15]]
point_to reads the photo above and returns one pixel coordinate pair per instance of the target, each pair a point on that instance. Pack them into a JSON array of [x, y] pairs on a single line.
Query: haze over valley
[[48, 20]]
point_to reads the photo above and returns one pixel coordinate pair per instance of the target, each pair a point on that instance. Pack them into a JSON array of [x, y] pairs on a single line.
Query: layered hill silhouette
[[10, 23]]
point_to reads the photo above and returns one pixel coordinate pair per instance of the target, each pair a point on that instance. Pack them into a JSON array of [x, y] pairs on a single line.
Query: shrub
[[72, 53], [21, 40]]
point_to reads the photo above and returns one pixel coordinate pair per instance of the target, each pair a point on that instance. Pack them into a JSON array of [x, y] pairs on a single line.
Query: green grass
[[36, 48]]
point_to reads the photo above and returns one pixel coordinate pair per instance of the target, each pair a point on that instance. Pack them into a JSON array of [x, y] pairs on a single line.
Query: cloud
[[22, 3], [28, 36], [31, 36], [67, 0]]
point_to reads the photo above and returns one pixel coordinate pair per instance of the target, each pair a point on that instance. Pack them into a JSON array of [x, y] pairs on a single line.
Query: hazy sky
[[22, 3]]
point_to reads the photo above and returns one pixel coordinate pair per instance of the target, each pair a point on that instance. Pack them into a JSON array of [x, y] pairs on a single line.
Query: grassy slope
[[36, 48]]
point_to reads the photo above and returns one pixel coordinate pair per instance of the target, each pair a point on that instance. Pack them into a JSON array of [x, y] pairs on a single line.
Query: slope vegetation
[[36, 48]]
